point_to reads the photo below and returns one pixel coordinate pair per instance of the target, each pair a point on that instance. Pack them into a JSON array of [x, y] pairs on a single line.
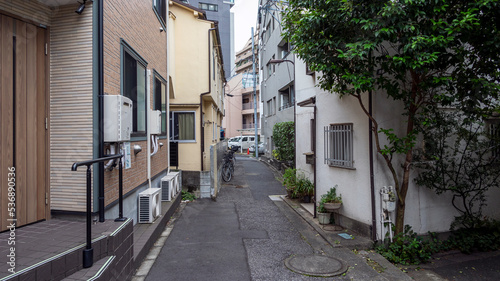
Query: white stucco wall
[[425, 211]]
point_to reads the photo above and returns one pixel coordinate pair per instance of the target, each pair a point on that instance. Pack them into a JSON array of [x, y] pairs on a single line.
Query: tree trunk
[[403, 190]]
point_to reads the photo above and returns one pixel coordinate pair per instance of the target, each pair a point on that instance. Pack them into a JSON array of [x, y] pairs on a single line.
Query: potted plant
[[331, 200], [290, 182], [323, 215], [305, 188]]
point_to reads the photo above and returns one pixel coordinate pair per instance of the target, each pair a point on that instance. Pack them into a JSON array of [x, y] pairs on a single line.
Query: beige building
[[239, 100], [54, 114], [196, 92], [81, 80]]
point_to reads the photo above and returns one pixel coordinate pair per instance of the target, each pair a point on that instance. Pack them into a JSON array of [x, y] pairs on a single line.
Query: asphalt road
[[244, 235]]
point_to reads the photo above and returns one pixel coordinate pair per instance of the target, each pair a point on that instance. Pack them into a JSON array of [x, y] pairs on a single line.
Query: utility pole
[[254, 98]]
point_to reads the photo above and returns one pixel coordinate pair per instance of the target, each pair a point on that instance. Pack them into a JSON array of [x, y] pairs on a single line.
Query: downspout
[[202, 129], [370, 143], [148, 127], [315, 156], [167, 98], [100, 146], [372, 180]]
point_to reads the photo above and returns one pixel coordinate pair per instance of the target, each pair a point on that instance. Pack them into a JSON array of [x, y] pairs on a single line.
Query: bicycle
[[228, 166]]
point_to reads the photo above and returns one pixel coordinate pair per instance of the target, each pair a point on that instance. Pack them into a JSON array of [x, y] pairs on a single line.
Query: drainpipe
[[202, 142], [372, 180], [370, 143], [315, 156], [167, 98], [148, 127], [100, 146]]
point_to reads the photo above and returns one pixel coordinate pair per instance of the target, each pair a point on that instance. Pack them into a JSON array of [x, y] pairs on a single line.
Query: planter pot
[[330, 207], [324, 218], [390, 206]]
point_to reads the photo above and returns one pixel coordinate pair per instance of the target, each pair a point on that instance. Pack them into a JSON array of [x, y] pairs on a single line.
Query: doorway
[[23, 122]]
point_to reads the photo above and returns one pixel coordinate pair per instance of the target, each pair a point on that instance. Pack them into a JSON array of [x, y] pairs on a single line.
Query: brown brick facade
[[137, 24]]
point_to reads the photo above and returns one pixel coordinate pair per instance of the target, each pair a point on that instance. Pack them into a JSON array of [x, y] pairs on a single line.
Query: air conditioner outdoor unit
[[170, 186], [149, 206]]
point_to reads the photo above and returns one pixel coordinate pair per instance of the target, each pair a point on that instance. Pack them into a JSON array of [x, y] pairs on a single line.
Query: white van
[[233, 142], [246, 141]]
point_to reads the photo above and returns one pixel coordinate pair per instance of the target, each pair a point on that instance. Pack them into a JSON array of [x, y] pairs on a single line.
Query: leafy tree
[[283, 137], [460, 158], [420, 53]]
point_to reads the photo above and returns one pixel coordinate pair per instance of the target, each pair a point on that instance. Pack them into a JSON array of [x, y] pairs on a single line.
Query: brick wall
[[137, 24]]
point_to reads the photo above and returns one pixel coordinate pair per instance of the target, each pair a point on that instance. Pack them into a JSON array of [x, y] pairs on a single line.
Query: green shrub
[[187, 196], [408, 248], [484, 238], [284, 139]]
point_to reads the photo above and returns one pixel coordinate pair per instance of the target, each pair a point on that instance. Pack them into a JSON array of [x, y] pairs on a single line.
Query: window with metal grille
[[339, 145]]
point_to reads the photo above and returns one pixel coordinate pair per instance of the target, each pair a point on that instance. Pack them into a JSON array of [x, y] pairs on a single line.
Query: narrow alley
[[245, 235]]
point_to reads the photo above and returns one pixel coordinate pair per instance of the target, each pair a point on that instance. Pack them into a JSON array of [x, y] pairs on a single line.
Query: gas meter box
[[117, 118]]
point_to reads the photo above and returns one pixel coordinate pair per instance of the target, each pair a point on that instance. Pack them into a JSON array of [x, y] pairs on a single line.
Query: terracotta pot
[[330, 207]]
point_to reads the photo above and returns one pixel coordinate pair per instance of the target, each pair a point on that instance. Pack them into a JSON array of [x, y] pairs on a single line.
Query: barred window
[[339, 145]]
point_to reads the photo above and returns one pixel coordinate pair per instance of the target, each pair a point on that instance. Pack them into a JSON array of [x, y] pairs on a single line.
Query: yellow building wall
[[194, 73]]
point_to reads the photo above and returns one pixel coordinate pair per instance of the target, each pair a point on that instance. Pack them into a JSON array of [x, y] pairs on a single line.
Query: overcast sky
[[245, 17]]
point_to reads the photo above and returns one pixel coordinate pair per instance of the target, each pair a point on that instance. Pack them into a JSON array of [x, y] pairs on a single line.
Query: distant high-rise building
[[220, 11]]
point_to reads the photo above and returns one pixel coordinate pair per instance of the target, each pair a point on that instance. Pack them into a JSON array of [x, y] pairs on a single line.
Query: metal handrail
[[88, 252]]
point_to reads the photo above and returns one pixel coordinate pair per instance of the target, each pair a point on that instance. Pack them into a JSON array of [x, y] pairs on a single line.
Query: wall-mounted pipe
[[372, 180], [167, 98], [148, 127], [111, 152], [202, 129], [100, 141]]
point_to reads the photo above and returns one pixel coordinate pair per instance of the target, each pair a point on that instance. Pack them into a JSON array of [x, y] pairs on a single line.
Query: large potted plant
[[331, 200]]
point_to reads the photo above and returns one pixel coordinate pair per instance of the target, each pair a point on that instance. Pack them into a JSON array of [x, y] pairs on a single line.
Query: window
[[287, 98], [283, 49], [268, 31], [270, 68], [160, 101], [208, 7], [339, 145], [182, 126], [269, 107], [308, 70], [134, 87], [160, 9]]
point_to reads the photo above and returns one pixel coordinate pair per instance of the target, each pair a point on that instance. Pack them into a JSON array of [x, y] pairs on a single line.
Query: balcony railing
[[250, 126], [248, 105], [285, 106]]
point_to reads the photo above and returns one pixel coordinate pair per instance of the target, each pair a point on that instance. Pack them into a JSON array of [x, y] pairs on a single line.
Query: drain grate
[[316, 265]]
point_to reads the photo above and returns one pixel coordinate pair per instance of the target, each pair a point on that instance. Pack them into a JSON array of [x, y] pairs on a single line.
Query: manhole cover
[[316, 265]]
